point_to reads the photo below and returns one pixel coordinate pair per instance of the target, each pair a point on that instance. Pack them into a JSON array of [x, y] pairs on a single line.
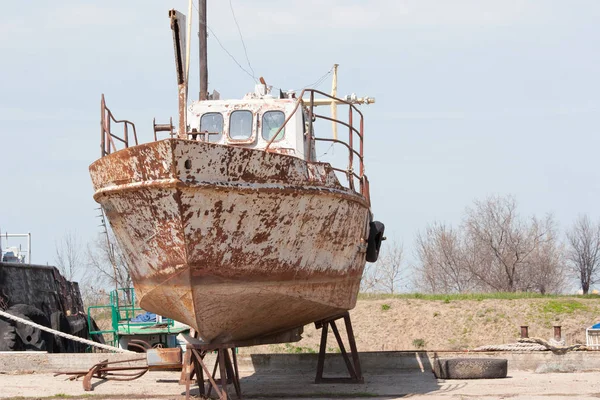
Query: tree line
[[99, 266], [494, 249]]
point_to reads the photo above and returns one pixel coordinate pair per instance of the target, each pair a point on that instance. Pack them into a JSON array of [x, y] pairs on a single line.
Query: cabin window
[[240, 125], [213, 124], [272, 121]]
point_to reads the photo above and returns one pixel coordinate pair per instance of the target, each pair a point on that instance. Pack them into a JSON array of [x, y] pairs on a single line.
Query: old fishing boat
[[231, 224]]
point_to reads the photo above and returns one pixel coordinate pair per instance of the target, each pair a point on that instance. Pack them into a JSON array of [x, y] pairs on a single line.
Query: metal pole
[[102, 136], [333, 103], [202, 34], [29, 247], [188, 43], [557, 333]]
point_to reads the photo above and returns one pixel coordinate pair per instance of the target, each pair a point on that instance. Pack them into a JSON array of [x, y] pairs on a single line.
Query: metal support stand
[[194, 366], [352, 365]]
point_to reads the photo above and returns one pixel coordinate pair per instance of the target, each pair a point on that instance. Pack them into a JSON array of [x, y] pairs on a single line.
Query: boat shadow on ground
[[288, 376]]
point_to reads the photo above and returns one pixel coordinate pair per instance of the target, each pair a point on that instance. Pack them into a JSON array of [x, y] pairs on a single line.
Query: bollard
[[557, 333], [524, 331]]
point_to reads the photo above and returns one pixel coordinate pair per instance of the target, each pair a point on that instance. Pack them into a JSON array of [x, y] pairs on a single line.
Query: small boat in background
[[232, 225]]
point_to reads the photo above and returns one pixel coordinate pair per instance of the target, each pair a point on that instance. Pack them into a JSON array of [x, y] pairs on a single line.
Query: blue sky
[[473, 98]]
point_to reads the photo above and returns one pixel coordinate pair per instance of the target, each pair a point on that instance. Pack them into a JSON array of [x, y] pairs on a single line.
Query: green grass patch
[[446, 298], [289, 348], [385, 307], [563, 306]]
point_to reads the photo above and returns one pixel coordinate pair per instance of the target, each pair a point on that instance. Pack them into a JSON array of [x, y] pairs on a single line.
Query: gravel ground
[[388, 385]]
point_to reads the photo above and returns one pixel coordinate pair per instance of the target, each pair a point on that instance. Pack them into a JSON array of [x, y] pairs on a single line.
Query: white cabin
[[252, 122]]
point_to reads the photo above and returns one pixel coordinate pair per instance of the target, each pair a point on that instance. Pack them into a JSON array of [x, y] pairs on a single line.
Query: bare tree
[[504, 241], [442, 265], [584, 251], [546, 273], [385, 275], [368, 282], [68, 256], [493, 250], [390, 268], [106, 259]]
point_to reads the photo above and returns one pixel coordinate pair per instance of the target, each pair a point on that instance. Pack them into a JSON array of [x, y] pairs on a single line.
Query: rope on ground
[[553, 348], [512, 347], [64, 335], [532, 344]]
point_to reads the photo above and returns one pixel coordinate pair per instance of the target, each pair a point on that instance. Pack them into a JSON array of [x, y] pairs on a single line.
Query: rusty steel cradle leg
[[353, 365], [228, 370]]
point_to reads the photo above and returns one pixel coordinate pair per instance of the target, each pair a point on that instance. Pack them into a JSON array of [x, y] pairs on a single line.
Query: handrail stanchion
[[126, 133], [106, 140], [108, 131], [362, 165], [310, 125], [102, 135], [350, 154]]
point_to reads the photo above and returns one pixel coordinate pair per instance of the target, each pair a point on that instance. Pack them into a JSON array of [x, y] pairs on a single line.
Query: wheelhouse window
[[271, 122], [213, 124], [240, 125]]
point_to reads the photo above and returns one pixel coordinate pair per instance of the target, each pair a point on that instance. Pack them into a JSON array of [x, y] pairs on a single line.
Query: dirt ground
[[406, 324], [389, 386]]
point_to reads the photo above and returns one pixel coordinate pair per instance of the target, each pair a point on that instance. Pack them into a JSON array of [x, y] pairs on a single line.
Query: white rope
[[532, 344], [512, 347], [62, 334]]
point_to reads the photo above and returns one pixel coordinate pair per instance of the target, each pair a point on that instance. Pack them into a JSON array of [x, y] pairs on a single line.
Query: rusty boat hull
[[235, 242]]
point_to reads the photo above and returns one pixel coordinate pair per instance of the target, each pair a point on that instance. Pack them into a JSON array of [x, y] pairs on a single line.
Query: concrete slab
[[392, 385], [388, 375], [11, 362]]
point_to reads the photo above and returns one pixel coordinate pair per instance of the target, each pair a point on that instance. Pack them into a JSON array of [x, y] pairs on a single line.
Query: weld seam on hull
[[244, 187]]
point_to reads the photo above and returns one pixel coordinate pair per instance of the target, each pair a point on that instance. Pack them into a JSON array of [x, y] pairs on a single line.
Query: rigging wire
[[313, 85], [319, 81], [327, 151], [252, 74], [225, 50], [241, 37]]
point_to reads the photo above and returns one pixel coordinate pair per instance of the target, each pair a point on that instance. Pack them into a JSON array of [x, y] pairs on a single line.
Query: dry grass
[[450, 323]]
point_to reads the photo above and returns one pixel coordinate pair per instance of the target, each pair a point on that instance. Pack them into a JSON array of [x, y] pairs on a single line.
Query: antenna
[[333, 104]]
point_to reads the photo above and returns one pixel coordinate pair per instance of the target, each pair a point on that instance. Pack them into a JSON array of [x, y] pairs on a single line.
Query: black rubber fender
[[376, 231]]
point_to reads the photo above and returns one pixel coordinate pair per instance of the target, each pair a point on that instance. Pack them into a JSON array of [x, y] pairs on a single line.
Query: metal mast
[[202, 35]]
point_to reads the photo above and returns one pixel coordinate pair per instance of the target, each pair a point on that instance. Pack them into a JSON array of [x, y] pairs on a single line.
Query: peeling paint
[[237, 242]]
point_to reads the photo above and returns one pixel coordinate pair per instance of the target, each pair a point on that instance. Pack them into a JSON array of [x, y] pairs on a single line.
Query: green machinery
[[130, 323]]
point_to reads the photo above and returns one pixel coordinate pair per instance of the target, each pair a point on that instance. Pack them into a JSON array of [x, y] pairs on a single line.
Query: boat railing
[[108, 139], [357, 180]]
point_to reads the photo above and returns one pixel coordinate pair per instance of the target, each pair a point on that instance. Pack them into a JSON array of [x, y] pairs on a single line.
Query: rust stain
[[238, 243]]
